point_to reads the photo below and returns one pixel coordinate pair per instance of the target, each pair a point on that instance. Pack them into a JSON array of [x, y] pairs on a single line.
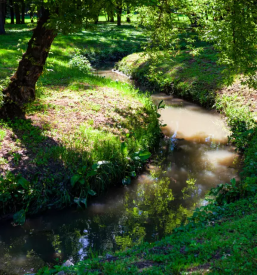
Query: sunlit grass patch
[[2, 134]]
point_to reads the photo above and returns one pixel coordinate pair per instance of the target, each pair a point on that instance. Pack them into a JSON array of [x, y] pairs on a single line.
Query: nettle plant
[[80, 61]]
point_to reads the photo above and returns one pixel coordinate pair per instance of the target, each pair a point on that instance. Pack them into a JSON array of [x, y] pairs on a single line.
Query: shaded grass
[[193, 77], [105, 40]]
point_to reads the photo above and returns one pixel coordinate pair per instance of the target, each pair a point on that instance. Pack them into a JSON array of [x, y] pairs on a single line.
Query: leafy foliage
[[229, 25], [81, 62]]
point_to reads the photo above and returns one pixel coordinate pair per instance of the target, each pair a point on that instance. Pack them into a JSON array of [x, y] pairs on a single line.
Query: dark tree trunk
[[38, 12], [128, 15], [11, 11], [96, 20], [22, 12], [17, 13], [32, 16], [2, 17], [119, 13], [21, 89], [112, 19]]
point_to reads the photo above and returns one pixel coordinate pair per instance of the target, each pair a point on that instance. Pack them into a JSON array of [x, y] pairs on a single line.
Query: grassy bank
[[82, 134], [219, 238]]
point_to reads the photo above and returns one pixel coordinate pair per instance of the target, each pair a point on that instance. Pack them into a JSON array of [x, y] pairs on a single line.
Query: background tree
[[11, 7], [229, 25], [17, 12], [57, 16], [2, 16], [119, 6], [22, 12]]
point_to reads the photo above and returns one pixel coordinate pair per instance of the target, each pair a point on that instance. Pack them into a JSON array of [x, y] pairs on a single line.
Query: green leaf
[[75, 179], [133, 174], [23, 182], [91, 192], [233, 181], [77, 201], [144, 155], [160, 105], [95, 166], [20, 217], [84, 201], [123, 147], [84, 168], [91, 173], [82, 181]]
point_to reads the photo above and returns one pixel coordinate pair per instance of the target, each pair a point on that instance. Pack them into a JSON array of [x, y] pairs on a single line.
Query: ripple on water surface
[[192, 158]]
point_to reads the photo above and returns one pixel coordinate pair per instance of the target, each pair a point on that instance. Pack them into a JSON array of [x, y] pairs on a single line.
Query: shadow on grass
[[30, 154], [192, 77], [48, 166]]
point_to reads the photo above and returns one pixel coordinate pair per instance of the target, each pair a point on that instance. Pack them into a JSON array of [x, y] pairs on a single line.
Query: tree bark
[[128, 15], [17, 13], [96, 20], [22, 12], [2, 16], [21, 89], [119, 13], [32, 17], [11, 11]]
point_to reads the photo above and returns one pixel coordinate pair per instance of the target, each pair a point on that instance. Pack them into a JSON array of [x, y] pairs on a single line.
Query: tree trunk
[[22, 12], [2, 17], [32, 16], [17, 13], [119, 13], [112, 19], [128, 15], [39, 12], [96, 20], [11, 11], [21, 89]]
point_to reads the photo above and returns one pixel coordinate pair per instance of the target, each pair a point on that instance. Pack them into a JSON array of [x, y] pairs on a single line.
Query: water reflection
[[192, 158]]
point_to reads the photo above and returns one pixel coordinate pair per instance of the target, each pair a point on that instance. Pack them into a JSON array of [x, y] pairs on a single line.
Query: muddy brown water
[[190, 160]]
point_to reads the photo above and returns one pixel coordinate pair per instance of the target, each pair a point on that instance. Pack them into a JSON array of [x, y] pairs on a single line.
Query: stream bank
[[220, 237], [184, 166]]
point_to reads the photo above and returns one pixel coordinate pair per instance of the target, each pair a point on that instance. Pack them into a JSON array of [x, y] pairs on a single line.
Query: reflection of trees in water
[[18, 264], [152, 213], [145, 211]]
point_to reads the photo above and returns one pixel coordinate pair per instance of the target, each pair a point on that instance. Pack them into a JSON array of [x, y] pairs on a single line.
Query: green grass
[[101, 43], [194, 77], [82, 131]]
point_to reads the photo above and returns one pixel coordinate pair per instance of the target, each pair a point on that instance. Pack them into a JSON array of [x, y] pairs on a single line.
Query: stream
[[192, 158]]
